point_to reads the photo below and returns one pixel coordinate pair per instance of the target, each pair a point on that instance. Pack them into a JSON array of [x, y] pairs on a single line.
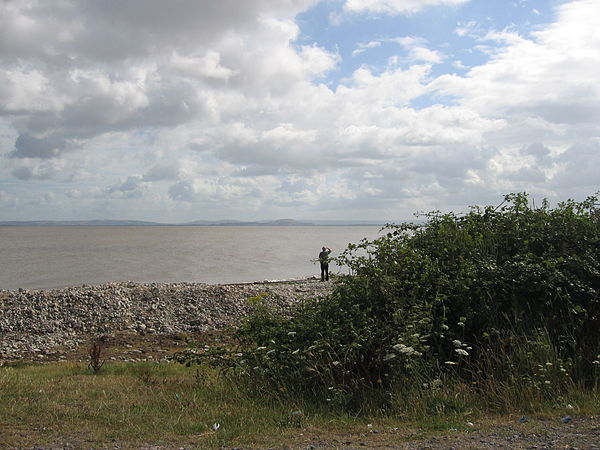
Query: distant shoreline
[[128, 223]]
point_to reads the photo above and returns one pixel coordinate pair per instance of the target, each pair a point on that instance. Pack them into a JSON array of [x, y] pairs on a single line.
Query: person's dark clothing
[[324, 259]]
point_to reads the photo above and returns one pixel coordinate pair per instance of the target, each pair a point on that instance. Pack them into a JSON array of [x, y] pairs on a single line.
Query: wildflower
[[261, 348], [216, 426], [450, 363], [456, 343], [379, 380], [461, 352], [549, 364], [292, 333], [596, 362], [461, 324], [445, 327], [335, 363], [437, 383], [547, 382], [406, 350]]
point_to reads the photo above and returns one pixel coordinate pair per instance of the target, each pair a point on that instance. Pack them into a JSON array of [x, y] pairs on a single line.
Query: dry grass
[[139, 404], [146, 404]]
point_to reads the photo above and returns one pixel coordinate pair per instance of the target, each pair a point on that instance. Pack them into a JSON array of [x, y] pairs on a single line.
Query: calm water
[[46, 257]]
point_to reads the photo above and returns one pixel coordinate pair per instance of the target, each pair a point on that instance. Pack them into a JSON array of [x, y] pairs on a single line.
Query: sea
[[44, 257]]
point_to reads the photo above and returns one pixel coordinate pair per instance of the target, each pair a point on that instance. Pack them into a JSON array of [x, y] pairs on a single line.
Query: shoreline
[[149, 283], [49, 324]]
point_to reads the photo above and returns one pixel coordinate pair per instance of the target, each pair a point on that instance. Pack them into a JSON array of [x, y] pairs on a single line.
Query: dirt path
[[491, 433]]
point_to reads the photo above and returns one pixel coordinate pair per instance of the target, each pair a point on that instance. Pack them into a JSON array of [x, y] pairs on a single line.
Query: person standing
[[324, 260]]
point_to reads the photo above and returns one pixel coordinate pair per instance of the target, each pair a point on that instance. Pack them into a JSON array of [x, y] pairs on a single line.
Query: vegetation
[[493, 311], [140, 404], [502, 300]]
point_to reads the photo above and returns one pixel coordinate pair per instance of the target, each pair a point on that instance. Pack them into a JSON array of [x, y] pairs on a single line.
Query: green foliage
[[432, 300]]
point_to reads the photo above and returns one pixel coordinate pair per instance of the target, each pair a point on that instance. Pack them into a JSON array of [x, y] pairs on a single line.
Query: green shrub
[[436, 299]]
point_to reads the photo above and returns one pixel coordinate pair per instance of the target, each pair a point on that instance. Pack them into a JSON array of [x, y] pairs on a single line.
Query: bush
[[432, 299]]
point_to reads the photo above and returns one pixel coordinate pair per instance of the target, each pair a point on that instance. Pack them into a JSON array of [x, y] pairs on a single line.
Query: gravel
[[38, 321]]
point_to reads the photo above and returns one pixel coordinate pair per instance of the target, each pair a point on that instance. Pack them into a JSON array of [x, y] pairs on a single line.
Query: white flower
[[450, 363], [406, 350], [456, 343], [445, 327], [292, 333], [461, 352], [261, 348], [216, 426]]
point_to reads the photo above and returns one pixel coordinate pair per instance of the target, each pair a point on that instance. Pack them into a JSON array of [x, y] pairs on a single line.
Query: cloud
[[133, 187], [549, 75], [120, 67], [32, 169], [227, 108], [362, 47], [395, 6], [7, 201]]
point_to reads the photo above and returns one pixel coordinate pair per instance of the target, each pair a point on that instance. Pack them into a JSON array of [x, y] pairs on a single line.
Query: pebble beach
[[46, 324]]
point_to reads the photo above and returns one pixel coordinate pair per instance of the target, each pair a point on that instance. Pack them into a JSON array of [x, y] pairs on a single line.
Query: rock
[[39, 321]]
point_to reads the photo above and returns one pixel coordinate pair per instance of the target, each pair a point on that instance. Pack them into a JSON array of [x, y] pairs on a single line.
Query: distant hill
[[79, 223], [239, 223]]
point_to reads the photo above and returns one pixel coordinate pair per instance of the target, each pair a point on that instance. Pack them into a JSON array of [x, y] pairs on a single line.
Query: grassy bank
[[140, 404]]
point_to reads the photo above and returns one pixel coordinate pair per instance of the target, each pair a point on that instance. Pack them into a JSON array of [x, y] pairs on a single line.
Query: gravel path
[[36, 322]]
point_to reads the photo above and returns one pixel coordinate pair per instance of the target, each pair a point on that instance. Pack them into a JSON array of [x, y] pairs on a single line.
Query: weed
[[96, 361]]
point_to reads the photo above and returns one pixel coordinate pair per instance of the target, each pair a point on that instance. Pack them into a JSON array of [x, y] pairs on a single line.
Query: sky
[[182, 110]]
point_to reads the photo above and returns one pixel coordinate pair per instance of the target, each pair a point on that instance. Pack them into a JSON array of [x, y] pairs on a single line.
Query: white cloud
[[223, 106], [395, 6], [362, 47]]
